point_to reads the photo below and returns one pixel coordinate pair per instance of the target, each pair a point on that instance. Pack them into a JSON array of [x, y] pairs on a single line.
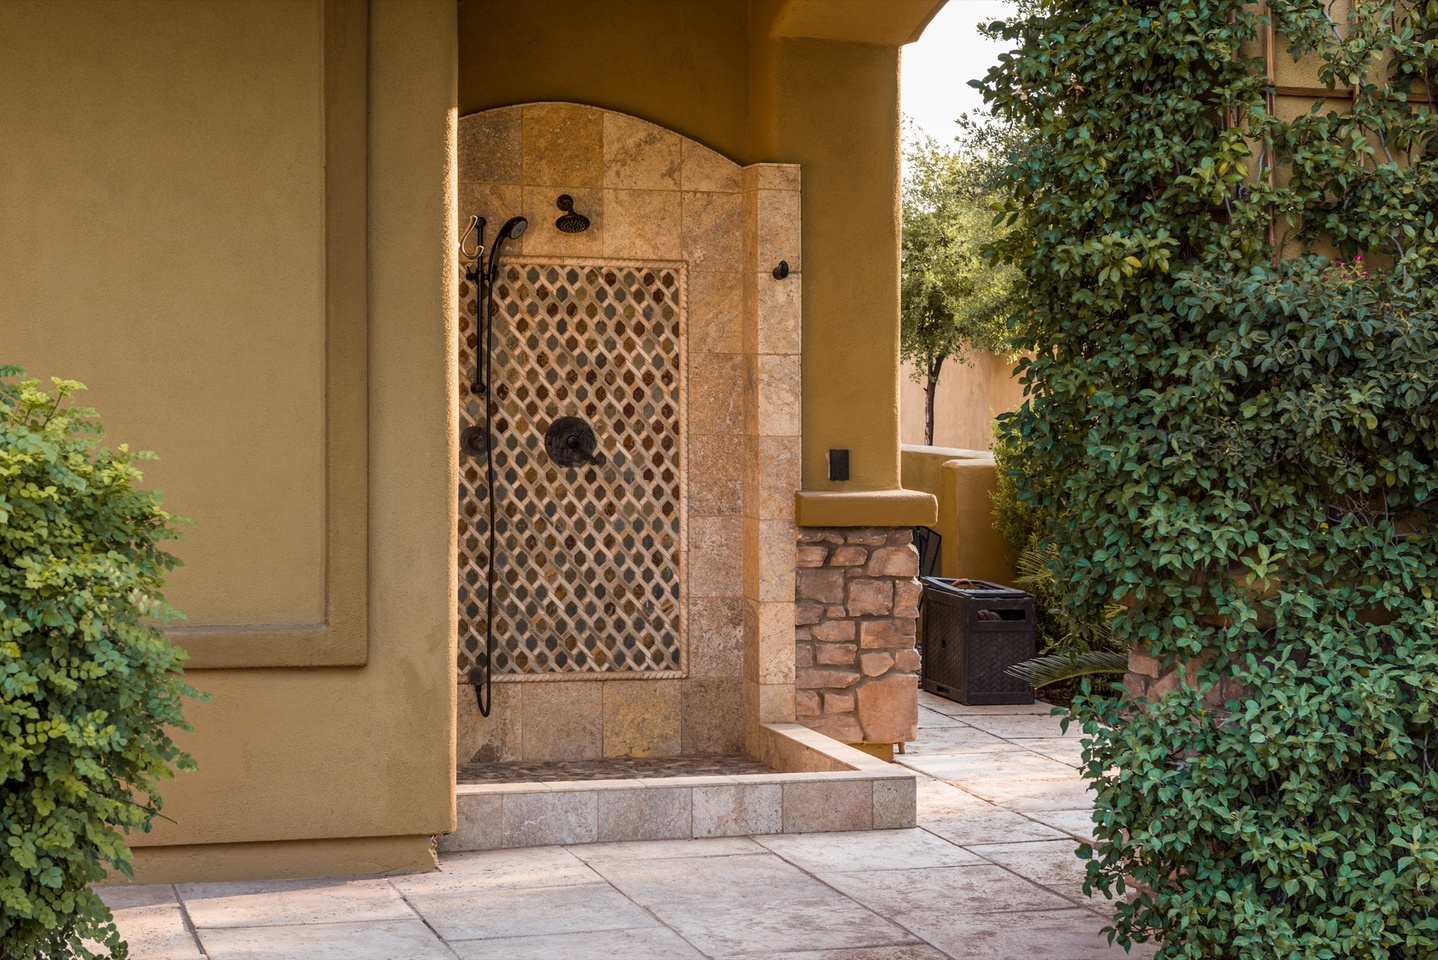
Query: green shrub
[[88, 681], [1066, 633], [1024, 527], [1244, 451]]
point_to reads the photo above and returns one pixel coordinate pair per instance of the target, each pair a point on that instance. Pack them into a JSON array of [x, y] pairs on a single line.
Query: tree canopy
[[954, 297]]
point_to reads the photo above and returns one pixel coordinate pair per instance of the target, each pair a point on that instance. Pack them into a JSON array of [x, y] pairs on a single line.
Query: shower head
[[571, 222], [513, 228]]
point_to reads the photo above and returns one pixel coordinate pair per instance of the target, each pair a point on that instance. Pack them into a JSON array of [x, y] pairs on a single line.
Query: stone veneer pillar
[[856, 602]]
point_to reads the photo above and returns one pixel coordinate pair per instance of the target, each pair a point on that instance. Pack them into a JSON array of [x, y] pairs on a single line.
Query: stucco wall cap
[[947, 453], [870, 508]]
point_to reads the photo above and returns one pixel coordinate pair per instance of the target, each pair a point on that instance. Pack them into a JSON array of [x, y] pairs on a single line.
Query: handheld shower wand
[[483, 274], [513, 229]]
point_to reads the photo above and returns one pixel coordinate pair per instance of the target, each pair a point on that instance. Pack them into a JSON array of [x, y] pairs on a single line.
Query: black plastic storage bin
[[965, 653]]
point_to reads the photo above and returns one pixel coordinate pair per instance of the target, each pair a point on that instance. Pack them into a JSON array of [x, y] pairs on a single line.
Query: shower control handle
[[474, 440], [570, 442], [574, 443]]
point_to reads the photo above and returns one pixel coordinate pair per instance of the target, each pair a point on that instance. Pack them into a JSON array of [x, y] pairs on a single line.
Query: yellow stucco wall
[[163, 176], [173, 213], [832, 107], [970, 395], [683, 67], [963, 481]]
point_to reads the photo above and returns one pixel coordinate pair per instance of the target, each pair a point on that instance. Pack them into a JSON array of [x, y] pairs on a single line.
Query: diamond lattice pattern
[[587, 558]]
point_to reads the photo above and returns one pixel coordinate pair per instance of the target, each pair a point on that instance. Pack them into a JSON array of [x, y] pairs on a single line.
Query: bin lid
[[978, 589]]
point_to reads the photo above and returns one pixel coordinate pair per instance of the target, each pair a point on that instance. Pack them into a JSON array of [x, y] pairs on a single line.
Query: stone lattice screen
[[587, 558]]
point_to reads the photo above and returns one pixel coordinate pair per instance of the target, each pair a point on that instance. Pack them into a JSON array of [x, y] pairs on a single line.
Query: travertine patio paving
[[989, 874]]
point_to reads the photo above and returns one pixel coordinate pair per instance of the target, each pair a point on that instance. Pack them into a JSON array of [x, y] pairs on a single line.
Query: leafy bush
[[1024, 527], [1242, 449], [88, 681], [1072, 641]]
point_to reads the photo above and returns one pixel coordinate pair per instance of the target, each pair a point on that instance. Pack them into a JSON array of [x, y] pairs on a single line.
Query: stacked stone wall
[[856, 603], [1149, 679]]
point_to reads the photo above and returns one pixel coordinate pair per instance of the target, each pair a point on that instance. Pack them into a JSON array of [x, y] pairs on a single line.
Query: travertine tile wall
[[772, 338], [652, 195]]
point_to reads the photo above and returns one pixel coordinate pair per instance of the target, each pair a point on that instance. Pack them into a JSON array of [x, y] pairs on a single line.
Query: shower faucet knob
[[474, 440], [570, 442]]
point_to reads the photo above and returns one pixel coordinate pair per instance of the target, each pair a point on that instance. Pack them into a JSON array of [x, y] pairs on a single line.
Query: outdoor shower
[[475, 438], [581, 450]]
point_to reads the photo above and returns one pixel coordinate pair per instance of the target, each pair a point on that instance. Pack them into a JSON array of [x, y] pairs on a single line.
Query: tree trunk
[[931, 390]]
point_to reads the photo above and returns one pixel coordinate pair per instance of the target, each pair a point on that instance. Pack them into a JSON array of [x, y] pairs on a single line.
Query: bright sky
[[934, 85]]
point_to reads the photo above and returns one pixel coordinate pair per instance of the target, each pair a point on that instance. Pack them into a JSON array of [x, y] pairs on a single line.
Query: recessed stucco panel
[[285, 755], [161, 173]]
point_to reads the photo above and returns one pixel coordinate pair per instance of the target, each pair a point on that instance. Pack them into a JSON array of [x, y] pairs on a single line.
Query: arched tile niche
[[643, 607]]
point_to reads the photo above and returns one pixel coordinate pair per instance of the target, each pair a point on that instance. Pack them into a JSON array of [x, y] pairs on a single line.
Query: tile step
[[833, 788]]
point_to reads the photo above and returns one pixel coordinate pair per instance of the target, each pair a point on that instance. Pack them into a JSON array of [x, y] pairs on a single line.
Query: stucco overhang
[[890, 22]]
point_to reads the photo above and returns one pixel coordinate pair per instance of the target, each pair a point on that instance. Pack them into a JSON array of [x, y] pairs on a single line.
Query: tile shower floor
[[989, 874], [623, 768]]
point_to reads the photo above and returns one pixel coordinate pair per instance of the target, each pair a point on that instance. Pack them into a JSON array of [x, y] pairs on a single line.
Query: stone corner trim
[[856, 603]]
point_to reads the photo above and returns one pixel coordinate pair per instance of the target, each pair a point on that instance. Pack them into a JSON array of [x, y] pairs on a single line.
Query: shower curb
[[822, 786]]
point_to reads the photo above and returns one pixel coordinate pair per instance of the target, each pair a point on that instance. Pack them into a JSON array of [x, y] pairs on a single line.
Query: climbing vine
[[1231, 429]]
